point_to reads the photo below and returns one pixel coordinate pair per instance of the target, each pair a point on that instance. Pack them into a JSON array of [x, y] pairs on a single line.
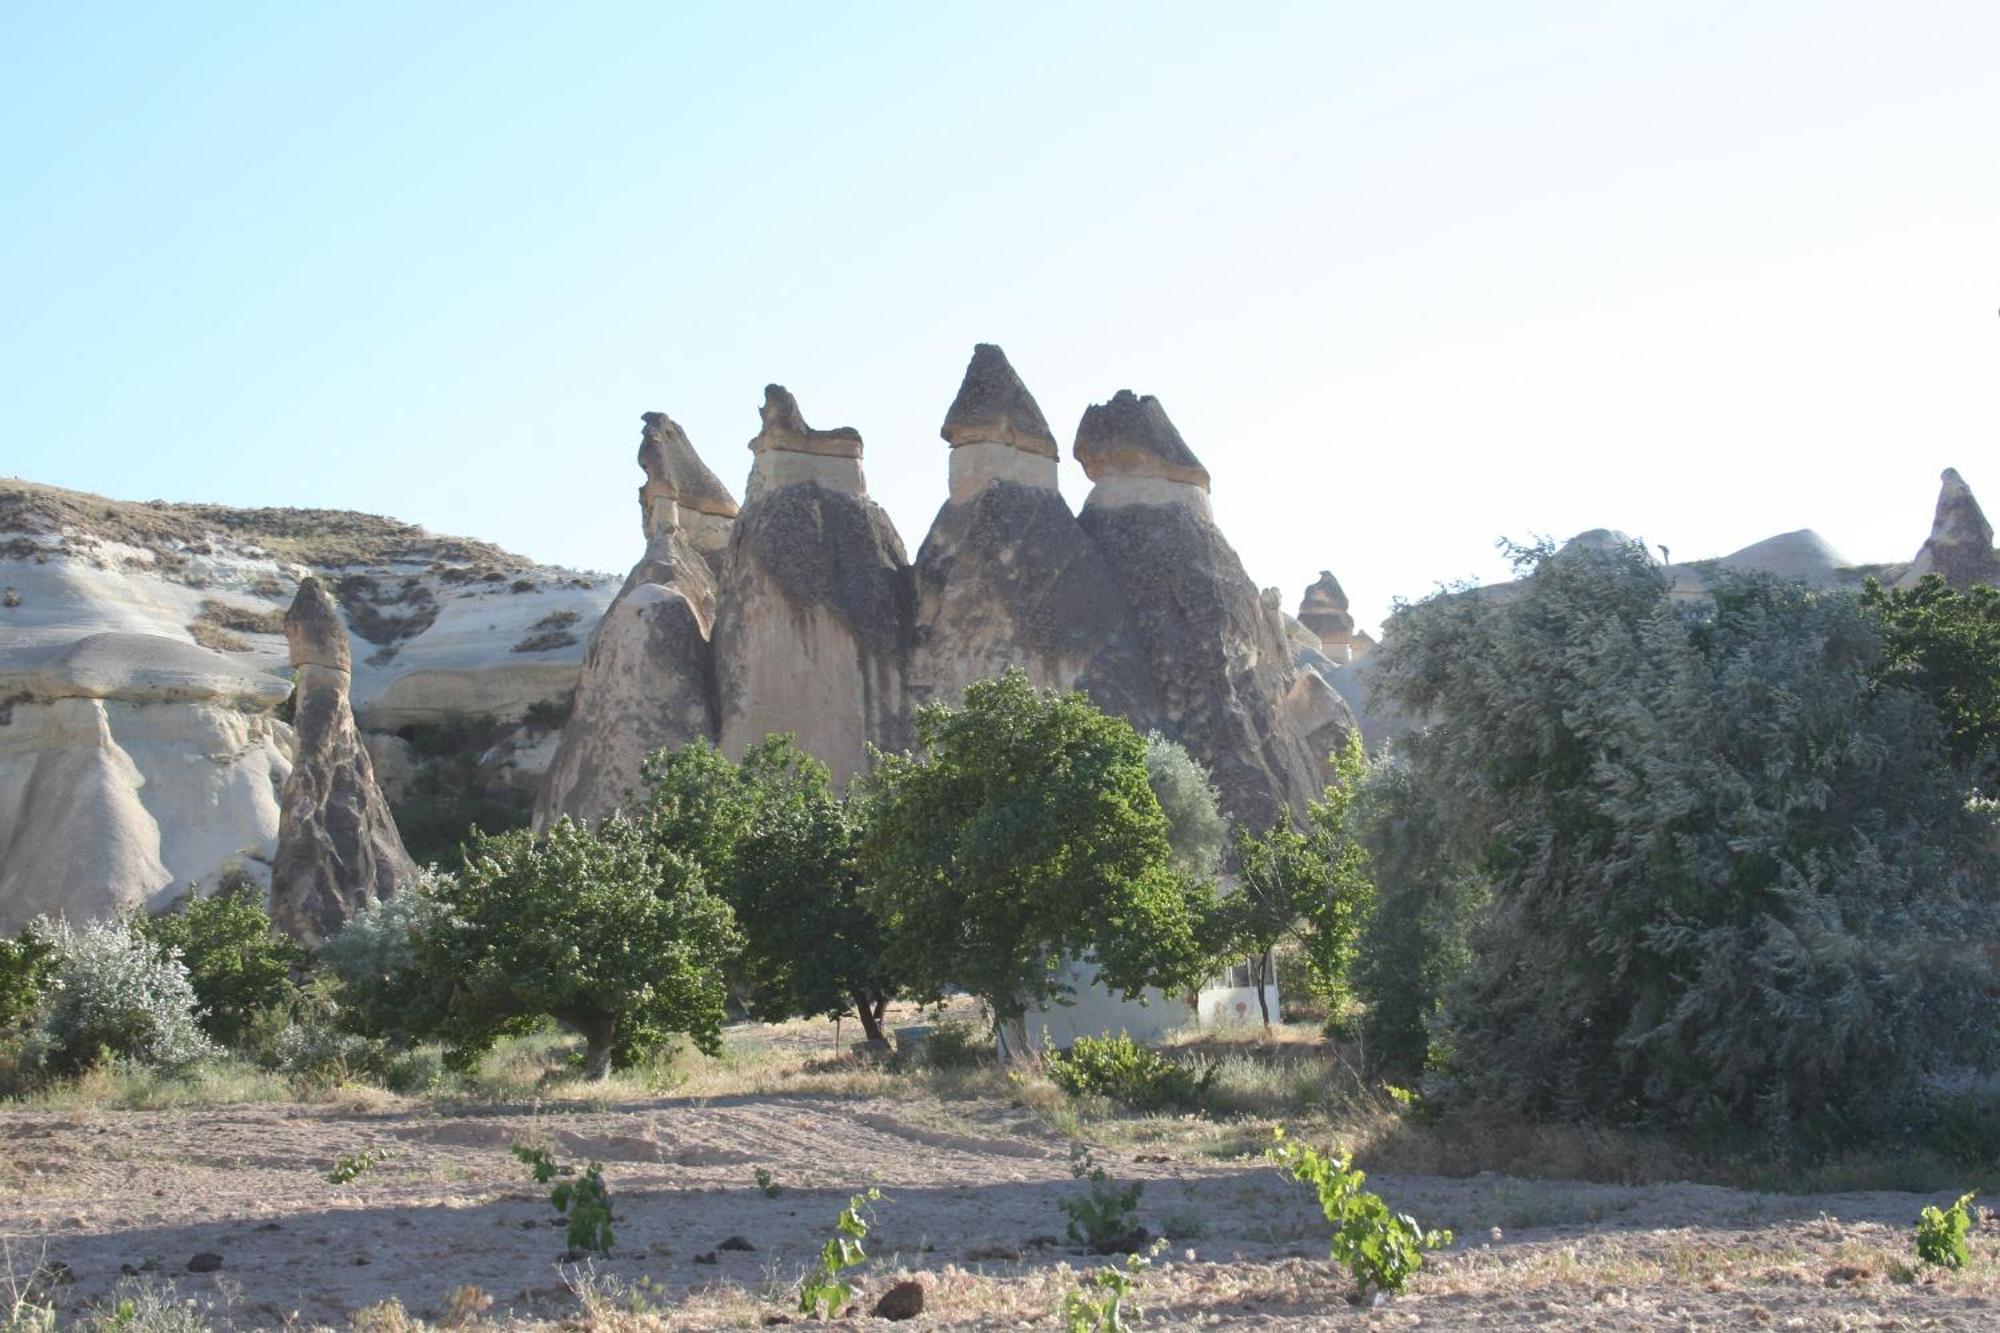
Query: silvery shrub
[[113, 993]]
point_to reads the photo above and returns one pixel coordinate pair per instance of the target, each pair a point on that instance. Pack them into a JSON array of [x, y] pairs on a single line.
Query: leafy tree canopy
[[1312, 885], [1944, 642], [776, 844], [25, 964], [1023, 833], [597, 926], [1733, 879], [1196, 829]]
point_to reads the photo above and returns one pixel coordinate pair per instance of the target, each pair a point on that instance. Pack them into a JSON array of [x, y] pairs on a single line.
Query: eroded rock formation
[[681, 499], [1323, 610], [813, 631], [1006, 576], [338, 849], [1217, 649], [648, 677], [1960, 547]]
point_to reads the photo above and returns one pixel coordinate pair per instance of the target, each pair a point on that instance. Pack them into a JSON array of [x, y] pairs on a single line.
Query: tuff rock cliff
[[143, 665], [338, 849], [130, 766]]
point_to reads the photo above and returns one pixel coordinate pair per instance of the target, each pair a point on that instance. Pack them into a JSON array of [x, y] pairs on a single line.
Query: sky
[[1409, 278]]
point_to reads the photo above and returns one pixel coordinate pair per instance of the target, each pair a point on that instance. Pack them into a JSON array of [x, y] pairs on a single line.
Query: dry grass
[[1290, 1077]]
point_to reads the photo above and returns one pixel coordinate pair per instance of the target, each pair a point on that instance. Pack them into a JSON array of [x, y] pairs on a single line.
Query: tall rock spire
[[1006, 577], [1960, 546], [1323, 610], [813, 631], [788, 450], [1219, 655], [338, 849], [648, 675], [1131, 450]]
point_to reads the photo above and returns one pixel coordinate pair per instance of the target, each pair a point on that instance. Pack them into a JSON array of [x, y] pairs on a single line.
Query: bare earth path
[[970, 1189]]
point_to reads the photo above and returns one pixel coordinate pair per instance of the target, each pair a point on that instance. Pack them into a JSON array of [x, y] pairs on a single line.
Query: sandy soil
[[971, 1193]]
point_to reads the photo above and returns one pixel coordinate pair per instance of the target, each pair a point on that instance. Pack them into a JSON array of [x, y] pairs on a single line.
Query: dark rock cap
[[993, 406], [1324, 595], [785, 430], [1131, 436], [672, 464], [314, 630]]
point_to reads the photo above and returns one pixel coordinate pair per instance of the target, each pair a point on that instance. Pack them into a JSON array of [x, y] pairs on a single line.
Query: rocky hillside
[[144, 684]]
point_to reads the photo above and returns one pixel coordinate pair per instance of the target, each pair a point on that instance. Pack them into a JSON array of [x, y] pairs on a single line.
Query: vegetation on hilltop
[[323, 538]]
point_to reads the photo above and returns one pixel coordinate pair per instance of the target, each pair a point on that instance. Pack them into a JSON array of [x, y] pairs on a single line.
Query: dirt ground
[[970, 1204]]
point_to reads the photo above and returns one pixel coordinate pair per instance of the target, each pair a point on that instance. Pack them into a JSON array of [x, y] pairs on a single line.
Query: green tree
[[1733, 880], [237, 963], [1944, 642], [1024, 833], [776, 844], [1412, 948], [1311, 885], [596, 926]]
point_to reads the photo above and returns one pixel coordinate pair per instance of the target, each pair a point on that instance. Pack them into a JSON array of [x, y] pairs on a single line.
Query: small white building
[[1093, 1011]]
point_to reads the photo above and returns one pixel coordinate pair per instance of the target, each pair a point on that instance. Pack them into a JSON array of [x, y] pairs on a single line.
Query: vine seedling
[[1101, 1219], [1941, 1234], [1381, 1249], [1102, 1302], [825, 1284], [350, 1166], [584, 1202]]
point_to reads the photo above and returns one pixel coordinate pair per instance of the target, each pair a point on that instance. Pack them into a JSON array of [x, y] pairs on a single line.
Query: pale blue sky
[[1408, 277]]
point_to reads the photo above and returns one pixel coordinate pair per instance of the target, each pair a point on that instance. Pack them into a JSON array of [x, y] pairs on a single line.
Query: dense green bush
[[237, 964], [1136, 1077], [1944, 642], [1734, 879], [113, 995], [955, 1045], [25, 964]]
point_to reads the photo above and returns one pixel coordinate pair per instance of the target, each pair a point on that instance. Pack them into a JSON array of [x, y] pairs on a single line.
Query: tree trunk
[[1261, 976], [1014, 1047], [870, 1015], [599, 1032]]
